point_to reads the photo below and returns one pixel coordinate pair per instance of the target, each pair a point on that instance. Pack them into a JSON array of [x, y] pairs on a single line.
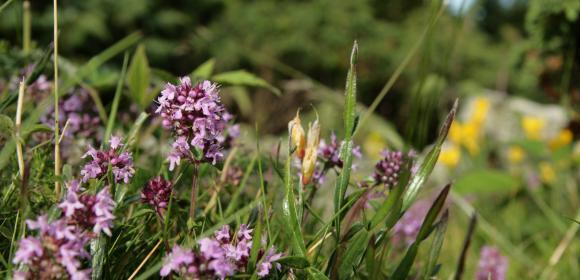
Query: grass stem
[[19, 152], [57, 159]]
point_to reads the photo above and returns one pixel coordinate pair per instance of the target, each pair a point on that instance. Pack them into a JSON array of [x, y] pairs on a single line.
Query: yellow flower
[[480, 109], [311, 152], [561, 140], [450, 156], [470, 139], [455, 132], [516, 154], [297, 135], [374, 145], [533, 127], [547, 173]]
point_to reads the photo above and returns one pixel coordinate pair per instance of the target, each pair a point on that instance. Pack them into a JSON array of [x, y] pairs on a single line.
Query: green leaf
[[139, 78], [6, 125], [429, 161], [402, 270], [391, 208], [315, 274], [354, 253], [116, 99], [346, 151], [436, 245], [35, 128], [255, 245], [204, 71], [289, 210], [486, 181], [294, 262], [244, 78]]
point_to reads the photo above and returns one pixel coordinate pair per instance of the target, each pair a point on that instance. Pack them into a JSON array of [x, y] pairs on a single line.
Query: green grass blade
[[428, 163], [99, 59], [404, 267], [6, 4], [236, 196], [435, 249], [352, 257], [289, 210], [116, 99], [349, 124]]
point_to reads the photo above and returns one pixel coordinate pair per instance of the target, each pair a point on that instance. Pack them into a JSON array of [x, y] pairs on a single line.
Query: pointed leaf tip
[[448, 121], [354, 53]]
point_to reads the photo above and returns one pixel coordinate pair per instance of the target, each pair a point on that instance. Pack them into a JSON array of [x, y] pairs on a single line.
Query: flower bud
[[297, 135], [311, 152]]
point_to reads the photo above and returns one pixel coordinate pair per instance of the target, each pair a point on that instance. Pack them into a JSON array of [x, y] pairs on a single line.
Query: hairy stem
[[193, 191]]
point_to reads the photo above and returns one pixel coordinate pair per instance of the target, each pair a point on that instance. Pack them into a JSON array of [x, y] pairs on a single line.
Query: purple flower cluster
[[219, 257], [79, 110], [157, 193], [329, 158], [406, 229], [57, 252], [329, 153], [120, 162], [196, 117], [492, 265], [88, 211], [388, 169]]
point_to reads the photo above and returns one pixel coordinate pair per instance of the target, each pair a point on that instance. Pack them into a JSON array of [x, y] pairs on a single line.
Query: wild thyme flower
[[89, 211], [492, 265], [406, 229], [81, 113], [195, 115], [388, 169], [56, 253], [220, 256], [157, 193], [265, 265], [120, 162]]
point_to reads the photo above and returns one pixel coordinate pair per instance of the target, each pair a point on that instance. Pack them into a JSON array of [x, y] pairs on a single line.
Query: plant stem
[[26, 27], [57, 162], [19, 152], [193, 191]]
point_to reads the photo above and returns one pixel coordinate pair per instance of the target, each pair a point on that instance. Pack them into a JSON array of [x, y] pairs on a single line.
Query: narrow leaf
[[435, 249], [354, 253], [204, 71], [139, 78], [294, 262], [289, 211], [315, 274], [244, 78], [429, 161], [346, 151]]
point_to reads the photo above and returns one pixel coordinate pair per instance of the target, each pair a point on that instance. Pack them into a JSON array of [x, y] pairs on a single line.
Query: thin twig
[[57, 160], [19, 152], [145, 260], [193, 191]]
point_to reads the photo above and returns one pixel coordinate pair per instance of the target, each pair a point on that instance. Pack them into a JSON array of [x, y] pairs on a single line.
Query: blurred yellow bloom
[[547, 173], [467, 135], [561, 140], [470, 139], [373, 145], [516, 154], [533, 127], [455, 132], [480, 109], [450, 156]]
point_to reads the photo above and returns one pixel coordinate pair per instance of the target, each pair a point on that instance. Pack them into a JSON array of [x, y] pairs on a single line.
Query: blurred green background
[[515, 46], [504, 51]]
